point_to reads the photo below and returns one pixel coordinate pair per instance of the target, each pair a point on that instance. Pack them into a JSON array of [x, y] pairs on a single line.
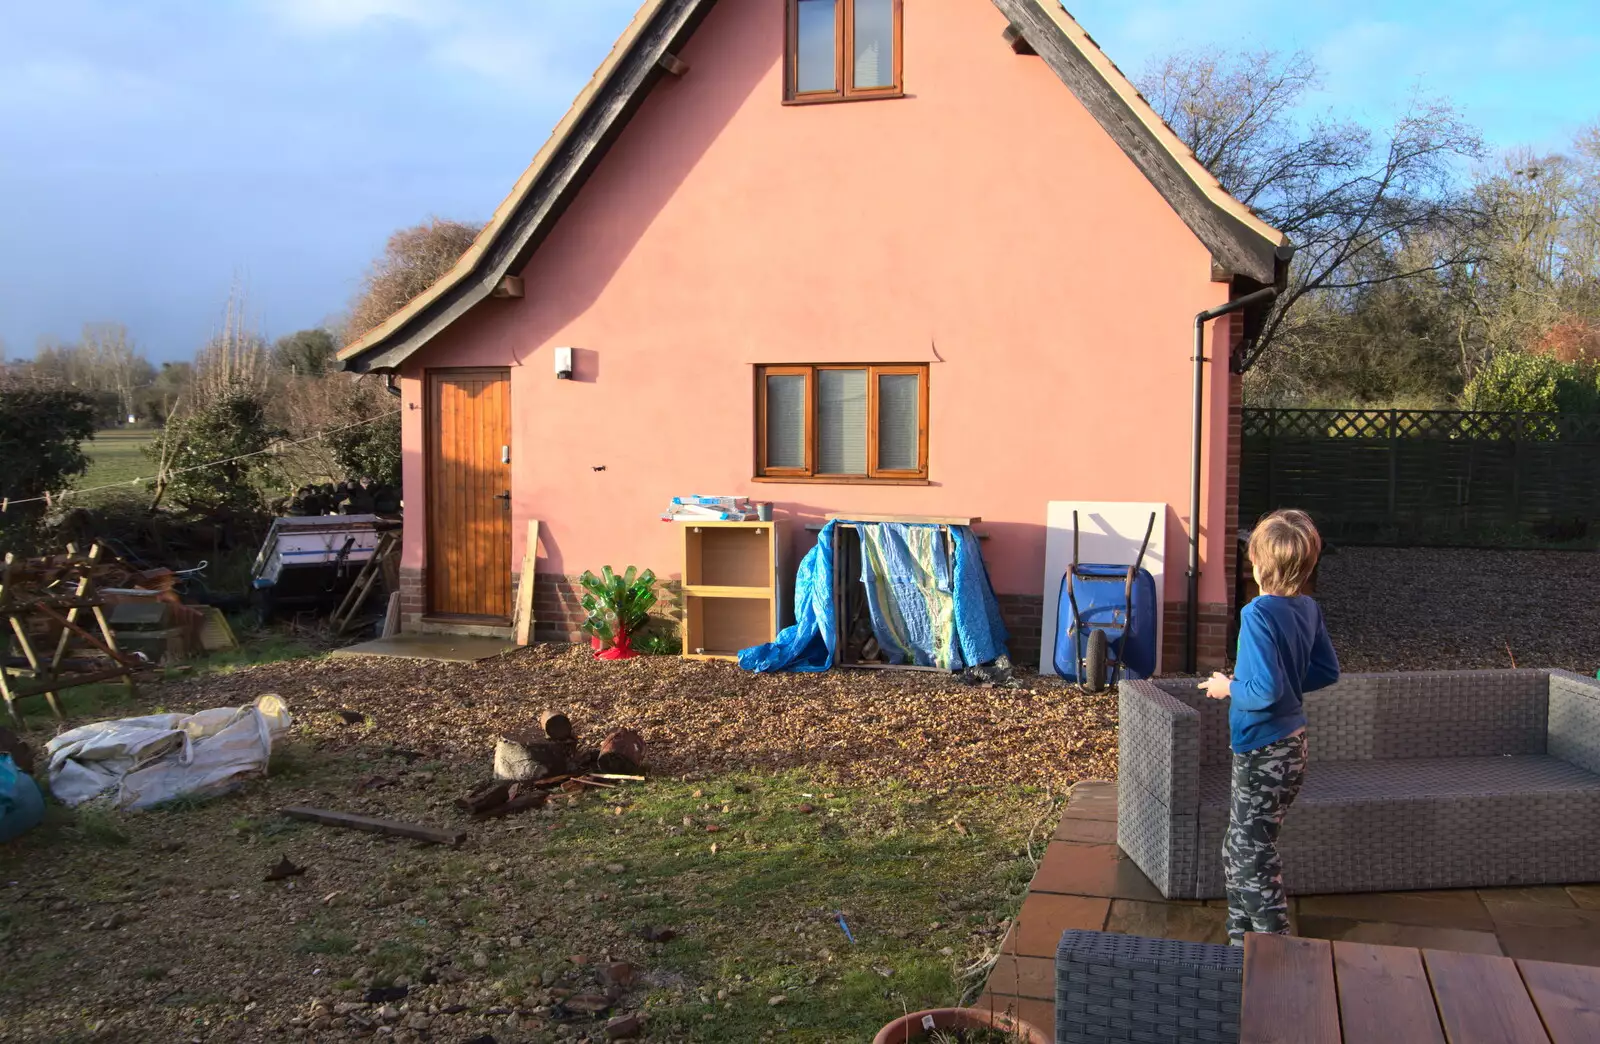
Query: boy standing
[[1284, 652]]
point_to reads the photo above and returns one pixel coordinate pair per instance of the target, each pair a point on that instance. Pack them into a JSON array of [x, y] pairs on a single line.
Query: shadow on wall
[[663, 142]]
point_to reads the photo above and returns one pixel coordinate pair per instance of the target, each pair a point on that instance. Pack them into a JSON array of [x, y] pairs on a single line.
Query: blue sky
[[151, 151]]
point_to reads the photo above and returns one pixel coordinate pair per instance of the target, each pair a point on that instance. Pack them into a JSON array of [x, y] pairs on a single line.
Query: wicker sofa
[[1449, 779], [1113, 988]]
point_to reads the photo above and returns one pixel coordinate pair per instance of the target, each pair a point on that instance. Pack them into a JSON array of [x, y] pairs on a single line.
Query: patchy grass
[[751, 883], [746, 846], [115, 700], [116, 455]]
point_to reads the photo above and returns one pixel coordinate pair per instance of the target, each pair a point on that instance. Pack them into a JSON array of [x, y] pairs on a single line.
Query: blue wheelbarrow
[[1106, 619]]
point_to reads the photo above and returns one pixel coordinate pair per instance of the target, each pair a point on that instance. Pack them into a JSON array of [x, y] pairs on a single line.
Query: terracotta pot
[[913, 1027]]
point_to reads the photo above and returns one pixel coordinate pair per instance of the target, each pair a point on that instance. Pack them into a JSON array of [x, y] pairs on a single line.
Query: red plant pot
[[622, 650], [916, 1026]]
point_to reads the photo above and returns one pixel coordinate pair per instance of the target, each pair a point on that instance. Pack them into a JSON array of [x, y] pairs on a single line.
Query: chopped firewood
[[622, 752], [519, 757], [389, 827], [617, 973], [557, 726], [485, 797], [283, 869], [589, 1003], [521, 802], [21, 753]]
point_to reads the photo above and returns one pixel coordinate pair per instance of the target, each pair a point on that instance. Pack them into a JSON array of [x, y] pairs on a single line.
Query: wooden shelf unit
[[731, 593]]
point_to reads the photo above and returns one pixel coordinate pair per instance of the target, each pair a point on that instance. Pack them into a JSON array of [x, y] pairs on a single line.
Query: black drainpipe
[[1192, 637], [389, 385]]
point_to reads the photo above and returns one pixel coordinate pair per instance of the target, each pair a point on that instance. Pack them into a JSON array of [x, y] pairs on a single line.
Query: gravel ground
[[1439, 609], [704, 718]]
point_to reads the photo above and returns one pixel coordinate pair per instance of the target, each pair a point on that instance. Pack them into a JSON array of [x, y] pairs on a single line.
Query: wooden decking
[[1313, 991], [1085, 881]]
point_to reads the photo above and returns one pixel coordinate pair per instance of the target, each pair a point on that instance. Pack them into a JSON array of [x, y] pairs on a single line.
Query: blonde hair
[[1284, 548]]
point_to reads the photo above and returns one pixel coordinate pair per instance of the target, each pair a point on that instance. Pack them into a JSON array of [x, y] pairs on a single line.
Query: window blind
[[786, 421], [815, 46], [842, 422], [899, 406], [874, 44]]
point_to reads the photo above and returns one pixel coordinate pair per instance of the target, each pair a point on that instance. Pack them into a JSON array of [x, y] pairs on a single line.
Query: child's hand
[[1217, 687]]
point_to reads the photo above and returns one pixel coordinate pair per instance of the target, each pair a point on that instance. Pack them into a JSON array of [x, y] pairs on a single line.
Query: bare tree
[[413, 259], [235, 357], [1350, 200], [116, 365]]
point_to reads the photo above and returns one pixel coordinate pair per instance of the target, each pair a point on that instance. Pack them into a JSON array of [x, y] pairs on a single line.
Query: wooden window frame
[[844, 31], [875, 475]]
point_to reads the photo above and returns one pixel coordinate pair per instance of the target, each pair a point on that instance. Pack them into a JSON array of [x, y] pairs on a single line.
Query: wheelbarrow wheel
[[1094, 661]]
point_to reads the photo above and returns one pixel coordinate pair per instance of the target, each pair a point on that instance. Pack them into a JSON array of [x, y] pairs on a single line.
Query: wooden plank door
[[469, 493]]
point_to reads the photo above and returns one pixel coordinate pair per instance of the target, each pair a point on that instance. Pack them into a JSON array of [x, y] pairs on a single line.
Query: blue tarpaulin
[[21, 804], [924, 610]]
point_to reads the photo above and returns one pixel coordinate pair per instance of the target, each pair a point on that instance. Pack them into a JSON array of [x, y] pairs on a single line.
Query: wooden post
[[1394, 466], [391, 616], [525, 584], [1518, 434]]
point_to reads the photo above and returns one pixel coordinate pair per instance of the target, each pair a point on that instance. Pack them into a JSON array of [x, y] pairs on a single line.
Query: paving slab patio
[[1085, 881], [449, 648]]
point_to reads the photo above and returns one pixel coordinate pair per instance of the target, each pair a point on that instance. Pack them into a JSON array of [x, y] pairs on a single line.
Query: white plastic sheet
[[146, 761]]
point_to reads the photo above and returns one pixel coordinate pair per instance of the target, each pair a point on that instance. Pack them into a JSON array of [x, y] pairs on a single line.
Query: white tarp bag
[[156, 758]]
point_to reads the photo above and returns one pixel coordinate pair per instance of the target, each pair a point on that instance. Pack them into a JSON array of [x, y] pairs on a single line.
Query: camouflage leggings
[[1265, 782]]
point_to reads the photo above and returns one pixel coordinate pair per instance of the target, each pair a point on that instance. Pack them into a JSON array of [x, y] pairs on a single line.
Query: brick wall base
[[558, 615], [1214, 653], [558, 608], [1024, 618]]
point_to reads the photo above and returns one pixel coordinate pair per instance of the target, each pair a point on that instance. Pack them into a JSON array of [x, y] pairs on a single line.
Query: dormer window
[[843, 50]]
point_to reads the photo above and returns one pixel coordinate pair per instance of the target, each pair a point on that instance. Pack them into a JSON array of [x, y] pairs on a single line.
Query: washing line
[[50, 498]]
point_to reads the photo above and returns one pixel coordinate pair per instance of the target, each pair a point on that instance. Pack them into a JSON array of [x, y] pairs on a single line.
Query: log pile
[[529, 765]]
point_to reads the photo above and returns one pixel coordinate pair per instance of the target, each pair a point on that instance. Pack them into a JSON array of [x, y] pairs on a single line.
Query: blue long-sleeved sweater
[[1284, 653]]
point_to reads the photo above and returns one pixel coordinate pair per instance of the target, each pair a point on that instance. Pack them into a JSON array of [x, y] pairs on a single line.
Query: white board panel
[[1107, 532]]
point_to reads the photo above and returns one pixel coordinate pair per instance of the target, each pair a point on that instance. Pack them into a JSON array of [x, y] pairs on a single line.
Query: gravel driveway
[[1438, 609]]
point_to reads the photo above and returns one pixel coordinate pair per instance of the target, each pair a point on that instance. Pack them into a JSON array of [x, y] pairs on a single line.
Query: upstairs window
[[840, 50], [842, 423]]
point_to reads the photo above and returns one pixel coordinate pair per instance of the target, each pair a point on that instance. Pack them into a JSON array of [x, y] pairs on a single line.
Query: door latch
[[503, 496]]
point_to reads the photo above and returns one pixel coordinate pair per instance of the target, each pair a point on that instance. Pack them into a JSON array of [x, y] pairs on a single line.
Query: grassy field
[[116, 455]]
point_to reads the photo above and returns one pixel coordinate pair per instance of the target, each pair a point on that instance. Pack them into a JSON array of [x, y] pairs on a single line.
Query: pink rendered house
[[932, 257]]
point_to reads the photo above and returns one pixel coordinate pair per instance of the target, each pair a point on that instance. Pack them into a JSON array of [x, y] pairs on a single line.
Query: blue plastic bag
[[21, 804]]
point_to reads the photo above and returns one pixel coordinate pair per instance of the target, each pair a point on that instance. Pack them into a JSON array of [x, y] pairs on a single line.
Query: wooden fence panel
[[1421, 477]]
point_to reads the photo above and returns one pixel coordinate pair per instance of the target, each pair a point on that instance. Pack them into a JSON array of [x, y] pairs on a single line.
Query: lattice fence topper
[[1462, 425]]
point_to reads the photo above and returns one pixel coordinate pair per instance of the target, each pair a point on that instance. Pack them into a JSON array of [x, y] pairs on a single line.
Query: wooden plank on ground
[[1289, 992], [390, 827], [391, 616], [1568, 999], [1384, 995], [525, 584], [1482, 999]]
